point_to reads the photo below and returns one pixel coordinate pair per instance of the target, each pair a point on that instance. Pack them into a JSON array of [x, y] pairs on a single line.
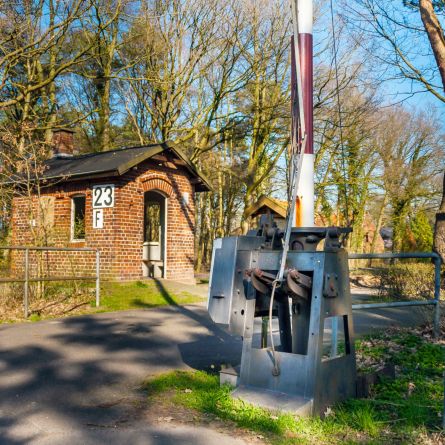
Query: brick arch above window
[[157, 183]]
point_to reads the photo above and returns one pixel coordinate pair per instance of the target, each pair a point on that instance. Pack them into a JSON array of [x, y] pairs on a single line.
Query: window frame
[[73, 207]]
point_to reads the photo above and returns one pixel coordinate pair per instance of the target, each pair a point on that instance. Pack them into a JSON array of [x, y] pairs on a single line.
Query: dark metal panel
[[337, 381]]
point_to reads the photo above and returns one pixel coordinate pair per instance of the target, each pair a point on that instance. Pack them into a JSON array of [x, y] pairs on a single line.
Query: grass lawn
[[65, 299], [406, 410], [143, 294]]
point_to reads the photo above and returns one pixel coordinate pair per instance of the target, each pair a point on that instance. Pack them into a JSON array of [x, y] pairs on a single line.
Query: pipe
[[385, 256], [393, 304]]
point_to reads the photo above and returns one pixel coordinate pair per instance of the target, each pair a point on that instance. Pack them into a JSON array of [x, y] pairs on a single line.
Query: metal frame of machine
[[298, 376]]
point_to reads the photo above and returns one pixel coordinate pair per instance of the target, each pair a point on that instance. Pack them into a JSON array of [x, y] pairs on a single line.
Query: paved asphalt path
[[76, 380]]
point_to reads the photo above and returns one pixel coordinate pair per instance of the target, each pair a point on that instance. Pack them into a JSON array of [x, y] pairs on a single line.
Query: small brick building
[[136, 205]]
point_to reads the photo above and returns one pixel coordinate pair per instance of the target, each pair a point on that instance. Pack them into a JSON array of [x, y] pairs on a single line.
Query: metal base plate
[[229, 376], [274, 400]]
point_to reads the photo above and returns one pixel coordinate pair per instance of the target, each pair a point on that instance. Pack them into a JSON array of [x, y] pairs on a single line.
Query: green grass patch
[[142, 294], [414, 399], [406, 410], [65, 299], [35, 317], [201, 392]]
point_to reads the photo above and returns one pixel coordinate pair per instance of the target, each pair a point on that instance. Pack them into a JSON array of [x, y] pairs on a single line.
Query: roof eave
[[122, 169], [204, 185]]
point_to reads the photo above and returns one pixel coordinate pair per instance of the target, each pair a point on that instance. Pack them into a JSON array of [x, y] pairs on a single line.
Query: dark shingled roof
[[116, 163]]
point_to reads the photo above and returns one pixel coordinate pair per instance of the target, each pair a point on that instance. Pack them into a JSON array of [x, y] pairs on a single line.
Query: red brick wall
[[120, 241]]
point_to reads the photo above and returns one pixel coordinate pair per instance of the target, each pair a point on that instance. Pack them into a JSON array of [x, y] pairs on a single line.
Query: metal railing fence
[[26, 280], [435, 301]]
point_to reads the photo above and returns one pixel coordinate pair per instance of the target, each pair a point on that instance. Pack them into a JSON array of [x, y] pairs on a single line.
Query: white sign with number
[[103, 196], [98, 218]]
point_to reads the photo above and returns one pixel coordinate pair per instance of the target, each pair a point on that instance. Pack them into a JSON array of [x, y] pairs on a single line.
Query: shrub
[[406, 281], [422, 232]]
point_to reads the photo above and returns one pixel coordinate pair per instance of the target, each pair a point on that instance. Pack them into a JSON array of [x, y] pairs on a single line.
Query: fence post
[[443, 408], [334, 336], [26, 290], [97, 278], [437, 264]]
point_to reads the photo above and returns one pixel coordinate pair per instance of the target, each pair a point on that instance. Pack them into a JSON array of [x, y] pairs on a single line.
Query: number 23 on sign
[[103, 196]]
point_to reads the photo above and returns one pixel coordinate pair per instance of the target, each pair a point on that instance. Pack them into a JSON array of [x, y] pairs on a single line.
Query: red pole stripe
[[306, 60]]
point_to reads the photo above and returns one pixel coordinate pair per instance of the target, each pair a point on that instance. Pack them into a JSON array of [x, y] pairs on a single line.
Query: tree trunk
[[377, 227], [220, 229], [435, 35], [200, 244], [103, 130], [248, 200], [51, 98], [437, 41], [439, 227]]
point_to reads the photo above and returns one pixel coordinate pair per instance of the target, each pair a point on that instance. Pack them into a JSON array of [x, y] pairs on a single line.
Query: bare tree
[[264, 102], [411, 151], [39, 47], [95, 79], [27, 37], [414, 46], [173, 45]]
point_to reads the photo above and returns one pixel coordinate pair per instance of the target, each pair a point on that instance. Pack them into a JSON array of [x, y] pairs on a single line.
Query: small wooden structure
[[267, 206]]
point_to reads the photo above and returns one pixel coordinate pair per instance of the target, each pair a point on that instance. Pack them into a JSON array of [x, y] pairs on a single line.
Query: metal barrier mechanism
[[308, 371]]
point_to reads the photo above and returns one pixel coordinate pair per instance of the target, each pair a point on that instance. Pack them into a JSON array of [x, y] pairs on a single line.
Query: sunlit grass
[[115, 296], [142, 294], [403, 410]]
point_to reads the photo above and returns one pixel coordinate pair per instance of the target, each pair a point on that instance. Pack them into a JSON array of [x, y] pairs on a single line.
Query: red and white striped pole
[[304, 215]]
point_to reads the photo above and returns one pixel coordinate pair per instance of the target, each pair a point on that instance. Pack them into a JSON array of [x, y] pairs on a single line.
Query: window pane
[[79, 217], [152, 221]]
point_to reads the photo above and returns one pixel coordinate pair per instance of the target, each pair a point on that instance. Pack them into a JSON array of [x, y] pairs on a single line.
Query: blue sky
[[351, 22]]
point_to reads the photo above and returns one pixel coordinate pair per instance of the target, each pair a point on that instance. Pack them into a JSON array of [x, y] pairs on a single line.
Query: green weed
[[201, 392], [360, 416], [35, 317]]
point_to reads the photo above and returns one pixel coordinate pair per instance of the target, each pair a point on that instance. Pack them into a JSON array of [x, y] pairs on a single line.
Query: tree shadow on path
[[85, 372]]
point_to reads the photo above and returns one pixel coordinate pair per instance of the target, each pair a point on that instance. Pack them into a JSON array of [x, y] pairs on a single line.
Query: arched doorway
[[155, 235]]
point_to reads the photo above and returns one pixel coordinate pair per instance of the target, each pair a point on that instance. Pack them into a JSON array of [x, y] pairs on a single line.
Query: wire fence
[[27, 265]]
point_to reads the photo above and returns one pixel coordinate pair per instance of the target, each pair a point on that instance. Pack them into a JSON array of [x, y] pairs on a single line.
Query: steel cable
[[297, 154]]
